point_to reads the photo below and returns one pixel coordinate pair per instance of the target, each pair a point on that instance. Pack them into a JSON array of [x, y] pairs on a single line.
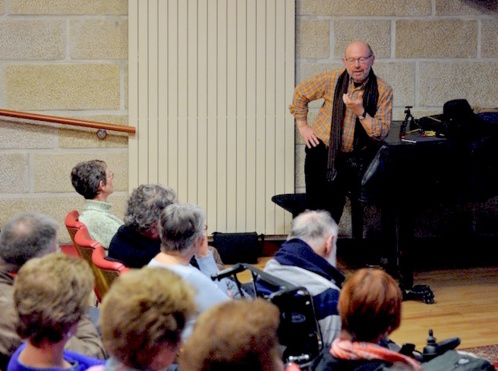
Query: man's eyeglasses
[[110, 174], [361, 59]]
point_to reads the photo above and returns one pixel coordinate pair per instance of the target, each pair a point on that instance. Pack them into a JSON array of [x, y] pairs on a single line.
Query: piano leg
[[398, 224]]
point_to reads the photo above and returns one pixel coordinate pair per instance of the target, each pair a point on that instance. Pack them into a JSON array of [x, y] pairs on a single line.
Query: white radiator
[[210, 82]]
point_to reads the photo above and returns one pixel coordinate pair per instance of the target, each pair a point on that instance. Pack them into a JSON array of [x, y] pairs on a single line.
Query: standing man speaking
[[355, 116]]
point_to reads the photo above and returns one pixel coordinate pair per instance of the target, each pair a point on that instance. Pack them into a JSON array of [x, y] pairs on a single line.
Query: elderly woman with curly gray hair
[[137, 241]]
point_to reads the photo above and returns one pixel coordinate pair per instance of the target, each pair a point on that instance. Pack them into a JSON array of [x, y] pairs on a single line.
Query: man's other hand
[[308, 134]]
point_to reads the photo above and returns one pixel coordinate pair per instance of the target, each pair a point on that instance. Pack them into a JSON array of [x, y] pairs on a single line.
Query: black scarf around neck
[[370, 99]]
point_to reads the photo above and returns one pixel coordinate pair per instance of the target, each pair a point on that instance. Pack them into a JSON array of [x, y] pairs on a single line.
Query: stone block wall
[[430, 51], [61, 58]]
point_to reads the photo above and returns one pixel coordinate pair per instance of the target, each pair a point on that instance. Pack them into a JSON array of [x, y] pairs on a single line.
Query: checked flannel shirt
[[323, 86]]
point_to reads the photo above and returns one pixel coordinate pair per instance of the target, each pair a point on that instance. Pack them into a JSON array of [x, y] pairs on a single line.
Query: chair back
[[85, 246], [110, 270], [72, 225]]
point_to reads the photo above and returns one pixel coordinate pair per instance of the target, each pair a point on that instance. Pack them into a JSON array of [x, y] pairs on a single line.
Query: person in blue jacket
[[308, 259]]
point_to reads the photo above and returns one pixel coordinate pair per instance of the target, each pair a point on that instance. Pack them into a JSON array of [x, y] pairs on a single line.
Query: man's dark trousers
[[322, 194]]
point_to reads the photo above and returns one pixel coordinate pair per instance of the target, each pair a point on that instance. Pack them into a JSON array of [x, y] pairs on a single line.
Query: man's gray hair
[[145, 205], [313, 227], [26, 236], [180, 225]]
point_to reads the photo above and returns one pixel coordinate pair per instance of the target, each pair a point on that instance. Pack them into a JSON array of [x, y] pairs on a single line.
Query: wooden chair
[[85, 246], [72, 225], [110, 270]]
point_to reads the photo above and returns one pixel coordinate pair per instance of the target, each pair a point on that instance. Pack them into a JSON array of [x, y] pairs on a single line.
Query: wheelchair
[[299, 332]]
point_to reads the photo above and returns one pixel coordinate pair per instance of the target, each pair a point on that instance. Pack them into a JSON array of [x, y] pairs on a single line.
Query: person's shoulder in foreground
[[79, 362]]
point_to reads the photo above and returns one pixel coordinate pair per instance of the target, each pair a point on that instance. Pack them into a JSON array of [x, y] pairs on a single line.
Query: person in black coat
[[137, 241]]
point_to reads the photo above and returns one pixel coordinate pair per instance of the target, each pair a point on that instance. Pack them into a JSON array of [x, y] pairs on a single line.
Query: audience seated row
[[250, 333], [145, 311], [149, 311], [136, 242], [142, 318]]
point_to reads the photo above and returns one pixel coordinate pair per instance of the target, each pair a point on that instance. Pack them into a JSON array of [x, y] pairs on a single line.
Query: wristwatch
[[363, 115]]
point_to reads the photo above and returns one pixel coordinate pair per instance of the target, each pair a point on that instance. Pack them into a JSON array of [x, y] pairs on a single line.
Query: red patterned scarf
[[348, 350]]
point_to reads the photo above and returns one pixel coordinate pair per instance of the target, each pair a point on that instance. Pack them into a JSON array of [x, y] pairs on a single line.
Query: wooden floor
[[466, 305]]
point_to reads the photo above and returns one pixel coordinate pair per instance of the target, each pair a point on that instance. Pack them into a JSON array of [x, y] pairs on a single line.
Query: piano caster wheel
[[419, 292]]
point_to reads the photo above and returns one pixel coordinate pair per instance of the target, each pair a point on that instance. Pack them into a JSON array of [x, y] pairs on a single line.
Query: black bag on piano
[[458, 121]]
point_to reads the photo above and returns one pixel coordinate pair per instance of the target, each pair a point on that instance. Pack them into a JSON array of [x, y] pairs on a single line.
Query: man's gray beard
[[331, 259]]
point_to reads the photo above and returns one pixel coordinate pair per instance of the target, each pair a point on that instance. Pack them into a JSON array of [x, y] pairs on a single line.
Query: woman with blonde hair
[[236, 335], [143, 315], [51, 295]]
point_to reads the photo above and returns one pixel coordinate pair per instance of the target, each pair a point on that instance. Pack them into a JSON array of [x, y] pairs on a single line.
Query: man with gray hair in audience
[[27, 236], [182, 230], [308, 259]]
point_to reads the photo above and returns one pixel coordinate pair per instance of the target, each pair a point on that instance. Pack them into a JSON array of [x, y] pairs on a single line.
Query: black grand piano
[[410, 174]]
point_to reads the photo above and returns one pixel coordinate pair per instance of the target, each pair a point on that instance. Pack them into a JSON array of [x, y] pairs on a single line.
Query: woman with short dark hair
[[94, 181]]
